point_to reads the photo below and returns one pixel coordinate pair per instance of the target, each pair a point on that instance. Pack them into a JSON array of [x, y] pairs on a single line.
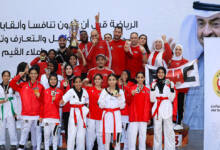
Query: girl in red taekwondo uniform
[[161, 53], [78, 98], [95, 114], [7, 112], [140, 113], [31, 93], [176, 62], [50, 116], [162, 95], [125, 84], [22, 67], [111, 100], [65, 85]]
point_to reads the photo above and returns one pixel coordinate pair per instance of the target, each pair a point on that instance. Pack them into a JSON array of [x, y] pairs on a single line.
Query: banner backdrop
[[28, 26], [184, 77], [212, 94]]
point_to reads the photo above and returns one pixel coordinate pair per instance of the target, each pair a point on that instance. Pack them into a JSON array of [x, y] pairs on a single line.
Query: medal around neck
[[115, 93]]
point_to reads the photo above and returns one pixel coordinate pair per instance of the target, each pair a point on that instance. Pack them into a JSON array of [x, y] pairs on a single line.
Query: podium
[[181, 137]]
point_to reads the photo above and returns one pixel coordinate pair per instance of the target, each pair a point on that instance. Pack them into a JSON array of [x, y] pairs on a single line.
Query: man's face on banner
[[208, 27]]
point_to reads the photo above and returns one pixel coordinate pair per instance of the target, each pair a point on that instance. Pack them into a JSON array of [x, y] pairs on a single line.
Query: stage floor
[[195, 141]]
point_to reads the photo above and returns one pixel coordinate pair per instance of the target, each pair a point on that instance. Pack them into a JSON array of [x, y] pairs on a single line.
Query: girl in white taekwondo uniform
[[162, 95], [111, 100], [78, 98], [7, 117]]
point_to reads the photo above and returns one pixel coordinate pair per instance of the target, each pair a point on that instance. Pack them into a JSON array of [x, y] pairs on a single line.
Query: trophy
[[74, 27]]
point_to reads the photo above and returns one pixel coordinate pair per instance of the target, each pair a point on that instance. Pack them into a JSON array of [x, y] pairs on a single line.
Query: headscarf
[[161, 82], [174, 54], [154, 45]]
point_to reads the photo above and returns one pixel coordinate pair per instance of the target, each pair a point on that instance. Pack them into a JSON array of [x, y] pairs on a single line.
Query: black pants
[[65, 122], [181, 101]]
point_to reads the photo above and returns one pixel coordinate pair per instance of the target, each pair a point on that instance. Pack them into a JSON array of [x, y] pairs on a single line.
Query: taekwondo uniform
[[50, 115], [93, 120], [162, 113], [111, 117], [139, 115], [77, 118], [7, 113], [30, 109]]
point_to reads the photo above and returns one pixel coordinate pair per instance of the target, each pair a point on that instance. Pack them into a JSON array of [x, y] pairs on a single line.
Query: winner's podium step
[[181, 137]]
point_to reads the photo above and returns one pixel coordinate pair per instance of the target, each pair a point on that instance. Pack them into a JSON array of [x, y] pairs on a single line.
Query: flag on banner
[[184, 76]]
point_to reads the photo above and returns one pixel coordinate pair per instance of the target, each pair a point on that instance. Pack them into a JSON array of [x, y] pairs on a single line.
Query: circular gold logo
[[216, 83]]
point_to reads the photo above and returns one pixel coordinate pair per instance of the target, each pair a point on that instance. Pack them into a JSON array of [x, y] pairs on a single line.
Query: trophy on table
[[74, 28]]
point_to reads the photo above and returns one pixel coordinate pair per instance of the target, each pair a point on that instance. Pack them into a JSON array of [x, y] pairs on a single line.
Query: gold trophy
[[74, 27]]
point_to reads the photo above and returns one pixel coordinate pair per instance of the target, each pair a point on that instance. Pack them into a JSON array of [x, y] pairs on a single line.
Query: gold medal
[[115, 93], [53, 94], [65, 84]]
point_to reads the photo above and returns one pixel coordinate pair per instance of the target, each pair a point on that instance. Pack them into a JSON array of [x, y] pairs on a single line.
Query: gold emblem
[[216, 83]]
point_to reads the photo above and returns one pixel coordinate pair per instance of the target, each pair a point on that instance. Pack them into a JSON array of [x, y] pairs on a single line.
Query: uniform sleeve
[[172, 94], [57, 101], [67, 96], [42, 94], [13, 83], [167, 55], [87, 97], [122, 100], [89, 76], [108, 54], [35, 61], [97, 26], [149, 104], [60, 78], [102, 98], [61, 86], [15, 104], [91, 53], [152, 96], [42, 103], [59, 70]]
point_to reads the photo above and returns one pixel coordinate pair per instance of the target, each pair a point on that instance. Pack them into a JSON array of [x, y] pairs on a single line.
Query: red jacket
[[118, 56], [140, 105], [127, 94], [176, 64], [94, 110], [30, 103], [51, 109], [59, 69], [104, 72], [167, 55], [42, 65], [134, 61], [102, 47], [85, 48], [77, 70]]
